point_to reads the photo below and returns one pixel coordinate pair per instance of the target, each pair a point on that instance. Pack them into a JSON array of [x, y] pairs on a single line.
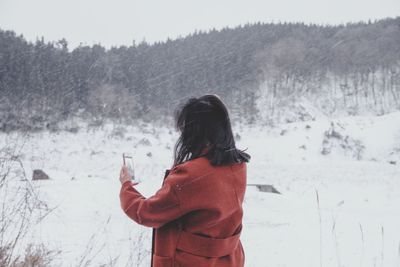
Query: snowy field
[[339, 179]]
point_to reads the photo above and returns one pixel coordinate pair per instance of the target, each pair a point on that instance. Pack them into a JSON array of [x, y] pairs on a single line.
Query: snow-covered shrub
[[118, 132], [335, 140], [144, 142]]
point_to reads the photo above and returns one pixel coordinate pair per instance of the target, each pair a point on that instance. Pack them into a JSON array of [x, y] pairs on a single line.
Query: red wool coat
[[196, 215]]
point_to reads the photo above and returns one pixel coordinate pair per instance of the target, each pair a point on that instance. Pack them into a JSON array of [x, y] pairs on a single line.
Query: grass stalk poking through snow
[[383, 243], [362, 246], [336, 242], [320, 229]]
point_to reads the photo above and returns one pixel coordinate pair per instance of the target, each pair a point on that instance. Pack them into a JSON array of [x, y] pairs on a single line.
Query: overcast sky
[[116, 22]]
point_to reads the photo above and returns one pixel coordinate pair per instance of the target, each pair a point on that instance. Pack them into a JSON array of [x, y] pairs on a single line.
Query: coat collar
[[202, 153]]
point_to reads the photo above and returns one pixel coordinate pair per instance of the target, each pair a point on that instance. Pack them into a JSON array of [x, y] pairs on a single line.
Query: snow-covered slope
[[340, 201]]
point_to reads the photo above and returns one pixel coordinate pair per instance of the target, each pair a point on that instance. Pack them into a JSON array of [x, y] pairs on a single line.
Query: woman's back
[[214, 194]]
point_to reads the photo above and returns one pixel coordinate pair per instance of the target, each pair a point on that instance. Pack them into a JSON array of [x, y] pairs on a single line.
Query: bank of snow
[[356, 179]]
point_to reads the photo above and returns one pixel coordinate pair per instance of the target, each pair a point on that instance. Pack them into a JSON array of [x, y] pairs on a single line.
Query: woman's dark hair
[[204, 122]]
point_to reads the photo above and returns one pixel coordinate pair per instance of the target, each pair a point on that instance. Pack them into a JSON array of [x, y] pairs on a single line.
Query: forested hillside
[[260, 70]]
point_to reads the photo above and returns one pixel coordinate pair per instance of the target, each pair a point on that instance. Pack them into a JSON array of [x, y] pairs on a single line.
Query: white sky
[[116, 22]]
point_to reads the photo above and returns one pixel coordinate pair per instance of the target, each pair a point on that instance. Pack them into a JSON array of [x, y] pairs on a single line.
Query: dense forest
[[260, 70]]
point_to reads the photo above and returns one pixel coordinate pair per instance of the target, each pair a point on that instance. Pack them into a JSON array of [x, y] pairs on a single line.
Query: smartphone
[[128, 162]]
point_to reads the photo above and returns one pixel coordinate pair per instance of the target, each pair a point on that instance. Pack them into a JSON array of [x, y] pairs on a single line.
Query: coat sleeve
[[158, 209]]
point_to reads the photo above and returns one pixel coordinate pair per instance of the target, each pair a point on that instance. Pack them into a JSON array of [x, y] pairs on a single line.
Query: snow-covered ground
[[339, 179]]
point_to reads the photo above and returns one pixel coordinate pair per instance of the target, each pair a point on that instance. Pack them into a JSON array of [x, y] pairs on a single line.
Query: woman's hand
[[124, 175]]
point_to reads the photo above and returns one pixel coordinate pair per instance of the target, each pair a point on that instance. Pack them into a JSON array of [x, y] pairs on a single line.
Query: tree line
[[258, 69]]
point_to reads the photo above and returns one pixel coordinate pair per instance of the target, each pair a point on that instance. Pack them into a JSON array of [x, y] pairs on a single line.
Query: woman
[[196, 216]]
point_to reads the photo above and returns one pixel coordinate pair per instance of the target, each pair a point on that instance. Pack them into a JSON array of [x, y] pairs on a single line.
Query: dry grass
[[35, 256], [18, 204]]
